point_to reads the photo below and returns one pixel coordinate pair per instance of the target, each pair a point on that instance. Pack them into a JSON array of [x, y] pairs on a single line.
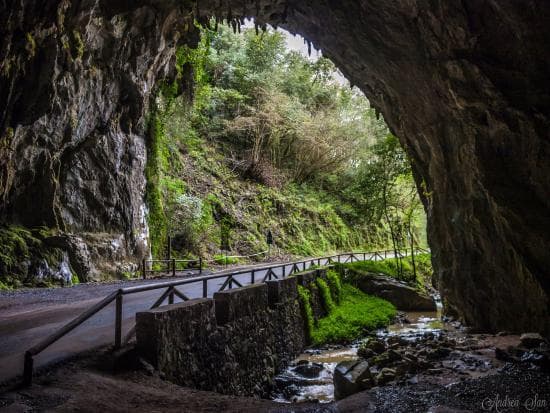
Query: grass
[[225, 260], [349, 317], [356, 314]]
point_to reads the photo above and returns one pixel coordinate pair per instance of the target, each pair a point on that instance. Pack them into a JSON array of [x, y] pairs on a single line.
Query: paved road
[[29, 316]]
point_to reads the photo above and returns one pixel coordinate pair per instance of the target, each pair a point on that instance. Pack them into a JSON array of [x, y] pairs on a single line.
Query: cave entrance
[[295, 143]]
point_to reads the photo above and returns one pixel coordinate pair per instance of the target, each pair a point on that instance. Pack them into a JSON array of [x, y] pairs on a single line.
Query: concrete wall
[[234, 343]]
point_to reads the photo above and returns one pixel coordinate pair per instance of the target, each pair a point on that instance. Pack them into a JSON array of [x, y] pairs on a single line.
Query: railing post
[[204, 288], [252, 277], [200, 265], [173, 267], [304, 265], [118, 321], [284, 270], [144, 269], [171, 296], [28, 369], [230, 282], [339, 260], [385, 254]]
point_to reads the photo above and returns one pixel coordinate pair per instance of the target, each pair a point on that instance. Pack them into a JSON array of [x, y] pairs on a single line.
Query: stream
[[310, 375]]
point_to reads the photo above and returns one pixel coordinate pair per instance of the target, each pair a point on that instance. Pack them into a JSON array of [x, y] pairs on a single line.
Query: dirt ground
[[100, 382]]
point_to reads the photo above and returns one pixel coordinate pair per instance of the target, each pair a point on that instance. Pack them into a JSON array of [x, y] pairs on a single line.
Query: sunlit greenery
[[272, 141]]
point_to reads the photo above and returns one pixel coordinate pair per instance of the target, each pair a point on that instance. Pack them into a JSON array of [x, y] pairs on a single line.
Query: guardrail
[[171, 292]]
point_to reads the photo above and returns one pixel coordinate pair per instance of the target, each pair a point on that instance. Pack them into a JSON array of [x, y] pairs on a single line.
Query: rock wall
[[76, 79], [464, 84], [234, 343]]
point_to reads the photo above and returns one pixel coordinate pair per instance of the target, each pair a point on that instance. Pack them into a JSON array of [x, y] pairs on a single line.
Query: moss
[[356, 314], [326, 295], [157, 221], [30, 45], [304, 297], [78, 45], [20, 244], [74, 279], [335, 285]]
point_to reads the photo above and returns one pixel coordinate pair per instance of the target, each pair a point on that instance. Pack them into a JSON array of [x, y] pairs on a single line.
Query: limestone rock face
[[75, 84], [464, 85]]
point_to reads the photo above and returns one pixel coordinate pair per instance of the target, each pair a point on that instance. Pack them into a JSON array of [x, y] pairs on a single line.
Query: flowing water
[[310, 376]]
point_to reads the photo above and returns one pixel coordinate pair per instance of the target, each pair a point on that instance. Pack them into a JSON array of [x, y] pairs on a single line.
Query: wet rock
[[387, 358], [531, 340], [366, 353], [351, 377], [309, 370], [373, 344], [385, 376]]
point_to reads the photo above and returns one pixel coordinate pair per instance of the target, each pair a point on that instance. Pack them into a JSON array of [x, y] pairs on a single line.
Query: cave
[[463, 84]]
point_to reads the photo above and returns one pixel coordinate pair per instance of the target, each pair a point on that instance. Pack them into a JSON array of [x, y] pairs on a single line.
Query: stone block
[[154, 326], [240, 302], [280, 291]]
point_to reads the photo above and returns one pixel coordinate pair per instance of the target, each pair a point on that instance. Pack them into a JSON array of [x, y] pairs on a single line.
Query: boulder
[[531, 340], [400, 294], [351, 377]]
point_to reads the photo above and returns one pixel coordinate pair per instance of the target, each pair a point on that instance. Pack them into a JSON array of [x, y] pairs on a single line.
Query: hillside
[[272, 141]]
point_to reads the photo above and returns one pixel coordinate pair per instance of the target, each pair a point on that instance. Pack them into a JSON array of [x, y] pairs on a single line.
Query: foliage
[[356, 314], [271, 140]]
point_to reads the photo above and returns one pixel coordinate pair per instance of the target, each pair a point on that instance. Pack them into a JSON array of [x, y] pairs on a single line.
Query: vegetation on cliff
[[272, 141]]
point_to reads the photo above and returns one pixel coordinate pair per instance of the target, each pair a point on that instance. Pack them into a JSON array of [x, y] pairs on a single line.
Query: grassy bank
[[351, 313]]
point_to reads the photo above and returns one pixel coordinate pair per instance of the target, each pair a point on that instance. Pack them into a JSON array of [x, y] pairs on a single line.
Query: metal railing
[[171, 292]]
